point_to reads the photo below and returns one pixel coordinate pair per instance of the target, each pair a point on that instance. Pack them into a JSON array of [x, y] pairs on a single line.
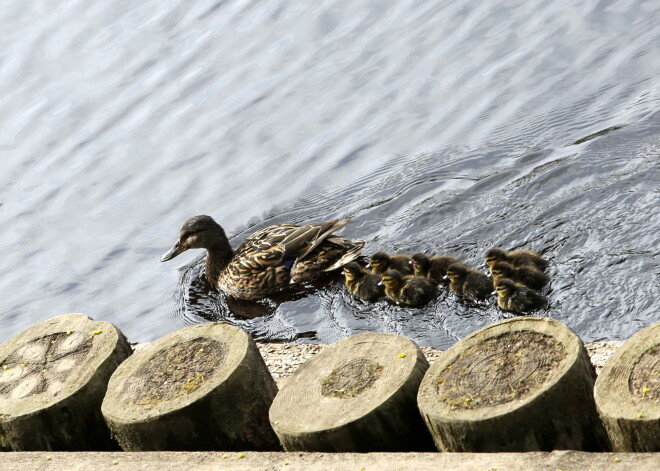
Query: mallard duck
[[516, 258], [362, 283], [528, 275], [382, 261], [516, 297], [433, 268], [410, 290], [269, 259], [468, 282]]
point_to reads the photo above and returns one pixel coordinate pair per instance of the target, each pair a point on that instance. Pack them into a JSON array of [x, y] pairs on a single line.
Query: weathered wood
[[627, 393], [523, 384], [52, 382], [204, 387], [358, 395]]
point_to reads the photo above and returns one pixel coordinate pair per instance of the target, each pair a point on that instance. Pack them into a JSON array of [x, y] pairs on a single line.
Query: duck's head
[[501, 270], [505, 287], [456, 271], [352, 271], [495, 255], [420, 263], [198, 232], [392, 279], [379, 262]]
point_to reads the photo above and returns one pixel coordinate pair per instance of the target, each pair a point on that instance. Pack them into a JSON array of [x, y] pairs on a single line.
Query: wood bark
[[204, 387], [357, 395], [523, 384], [52, 382], [627, 393]]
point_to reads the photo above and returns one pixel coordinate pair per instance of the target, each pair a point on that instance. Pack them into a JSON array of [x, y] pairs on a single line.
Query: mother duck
[[269, 259]]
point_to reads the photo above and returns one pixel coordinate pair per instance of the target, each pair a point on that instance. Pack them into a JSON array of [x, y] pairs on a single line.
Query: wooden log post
[[53, 378], [204, 387], [357, 395], [523, 384], [627, 393]]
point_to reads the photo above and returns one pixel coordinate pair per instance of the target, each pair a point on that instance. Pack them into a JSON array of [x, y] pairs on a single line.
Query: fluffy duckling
[[468, 282], [528, 275], [412, 291], [362, 283], [516, 258], [382, 261], [516, 297], [433, 268]]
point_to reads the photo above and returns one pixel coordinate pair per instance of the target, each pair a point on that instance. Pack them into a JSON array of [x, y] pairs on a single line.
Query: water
[[447, 127]]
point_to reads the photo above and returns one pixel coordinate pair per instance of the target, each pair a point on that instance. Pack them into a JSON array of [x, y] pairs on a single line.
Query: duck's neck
[[218, 257]]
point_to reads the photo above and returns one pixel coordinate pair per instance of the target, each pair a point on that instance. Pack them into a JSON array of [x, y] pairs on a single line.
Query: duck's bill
[[380, 283], [494, 292], [173, 252]]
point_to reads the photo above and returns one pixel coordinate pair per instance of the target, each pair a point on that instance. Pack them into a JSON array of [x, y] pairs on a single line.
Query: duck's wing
[[275, 244]]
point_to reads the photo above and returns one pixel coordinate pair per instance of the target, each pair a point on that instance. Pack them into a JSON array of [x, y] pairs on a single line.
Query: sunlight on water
[[444, 127]]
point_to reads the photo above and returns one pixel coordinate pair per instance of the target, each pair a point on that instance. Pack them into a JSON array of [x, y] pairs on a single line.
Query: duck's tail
[[354, 249]]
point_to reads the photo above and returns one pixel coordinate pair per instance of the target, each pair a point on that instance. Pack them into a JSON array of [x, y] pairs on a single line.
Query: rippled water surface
[[446, 127]]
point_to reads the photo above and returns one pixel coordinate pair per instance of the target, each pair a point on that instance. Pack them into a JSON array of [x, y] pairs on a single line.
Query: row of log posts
[[523, 384]]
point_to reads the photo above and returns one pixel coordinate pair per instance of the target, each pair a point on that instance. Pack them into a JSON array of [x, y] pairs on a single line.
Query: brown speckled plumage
[[269, 259]]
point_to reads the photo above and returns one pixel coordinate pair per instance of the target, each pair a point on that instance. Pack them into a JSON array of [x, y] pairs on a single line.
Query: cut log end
[[203, 387], [627, 393], [53, 378], [501, 389], [356, 395]]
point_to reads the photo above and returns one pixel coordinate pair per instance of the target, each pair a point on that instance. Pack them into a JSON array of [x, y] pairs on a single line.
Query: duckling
[[433, 268], [468, 282], [269, 259], [516, 258], [382, 261], [412, 291], [516, 297], [528, 275], [362, 283]]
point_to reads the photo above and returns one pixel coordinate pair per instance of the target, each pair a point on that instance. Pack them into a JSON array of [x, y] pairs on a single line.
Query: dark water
[[446, 127]]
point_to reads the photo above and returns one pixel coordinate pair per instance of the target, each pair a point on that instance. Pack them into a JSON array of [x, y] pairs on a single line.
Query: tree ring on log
[[645, 376], [203, 387], [176, 371], [352, 378], [627, 393], [56, 372], [358, 394], [503, 368], [503, 387]]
